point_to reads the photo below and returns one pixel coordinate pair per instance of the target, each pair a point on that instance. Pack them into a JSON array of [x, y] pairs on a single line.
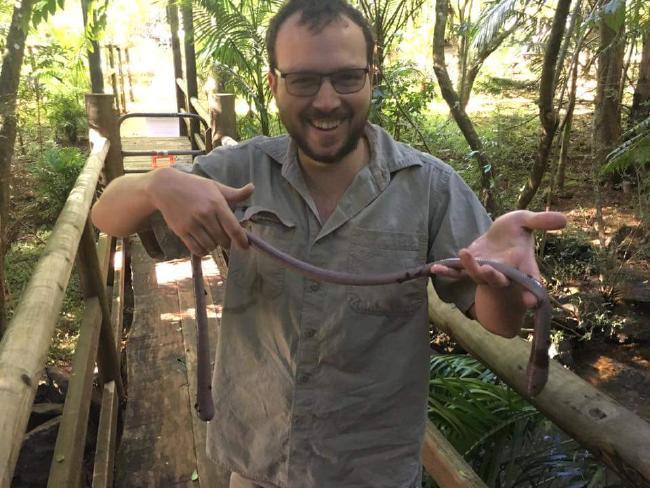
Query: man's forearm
[[125, 205]]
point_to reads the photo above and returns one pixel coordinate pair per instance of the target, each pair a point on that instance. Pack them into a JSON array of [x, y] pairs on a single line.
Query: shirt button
[[304, 378], [310, 333], [314, 286]]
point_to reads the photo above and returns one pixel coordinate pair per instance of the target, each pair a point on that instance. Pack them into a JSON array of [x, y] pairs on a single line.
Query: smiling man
[[321, 385]]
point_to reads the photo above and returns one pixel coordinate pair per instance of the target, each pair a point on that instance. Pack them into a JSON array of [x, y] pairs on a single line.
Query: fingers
[[545, 220], [440, 270], [236, 194], [482, 274], [227, 219]]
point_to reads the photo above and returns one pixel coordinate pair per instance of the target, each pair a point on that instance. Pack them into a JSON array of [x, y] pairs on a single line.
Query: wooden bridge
[[148, 432]]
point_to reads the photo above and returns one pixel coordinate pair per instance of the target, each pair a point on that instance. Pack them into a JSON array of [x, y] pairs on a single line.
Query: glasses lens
[[349, 81], [302, 84]]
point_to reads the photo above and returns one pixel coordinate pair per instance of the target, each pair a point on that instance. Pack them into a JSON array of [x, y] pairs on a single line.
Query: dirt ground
[[617, 363]]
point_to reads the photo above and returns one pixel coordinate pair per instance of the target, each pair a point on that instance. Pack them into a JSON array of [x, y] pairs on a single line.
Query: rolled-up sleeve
[[460, 220]]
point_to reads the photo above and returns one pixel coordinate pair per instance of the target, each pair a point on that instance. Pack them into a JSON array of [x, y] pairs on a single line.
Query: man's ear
[[273, 81]]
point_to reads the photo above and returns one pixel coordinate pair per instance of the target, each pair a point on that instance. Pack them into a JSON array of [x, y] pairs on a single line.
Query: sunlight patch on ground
[[117, 261], [181, 269], [214, 312]]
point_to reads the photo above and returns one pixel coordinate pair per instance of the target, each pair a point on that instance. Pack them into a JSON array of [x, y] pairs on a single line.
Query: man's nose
[[326, 99]]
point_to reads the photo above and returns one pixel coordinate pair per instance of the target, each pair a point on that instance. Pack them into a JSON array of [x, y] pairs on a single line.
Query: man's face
[[328, 125]]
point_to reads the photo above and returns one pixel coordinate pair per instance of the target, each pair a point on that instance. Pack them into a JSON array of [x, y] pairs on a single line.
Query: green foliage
[[230, 39], [67, 117], [400, 100], [470, 407], [20, 262], [634, 152], [43, 9], [504, 438], [55, 172], [613, 13], [51, 88], [496, 85]]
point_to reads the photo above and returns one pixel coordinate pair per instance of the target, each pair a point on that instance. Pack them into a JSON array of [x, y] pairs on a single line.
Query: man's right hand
[[198, 210]]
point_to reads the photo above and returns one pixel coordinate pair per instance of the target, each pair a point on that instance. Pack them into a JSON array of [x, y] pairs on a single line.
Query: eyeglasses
[[307, 84]]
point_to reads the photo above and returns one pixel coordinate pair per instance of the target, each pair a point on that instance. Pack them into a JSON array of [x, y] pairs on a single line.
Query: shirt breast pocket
[[254, 271], [373, 252]]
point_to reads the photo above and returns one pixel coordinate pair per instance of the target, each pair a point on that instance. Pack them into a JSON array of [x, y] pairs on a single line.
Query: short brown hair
[[317, 14]]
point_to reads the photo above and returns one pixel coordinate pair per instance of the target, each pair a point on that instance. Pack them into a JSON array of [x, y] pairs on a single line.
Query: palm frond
[[492, 21], [635, 151]]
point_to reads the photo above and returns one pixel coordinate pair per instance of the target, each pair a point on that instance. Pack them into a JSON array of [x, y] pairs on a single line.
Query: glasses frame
[[322, 77]]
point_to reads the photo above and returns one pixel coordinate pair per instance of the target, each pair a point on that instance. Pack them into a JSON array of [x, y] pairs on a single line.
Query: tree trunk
[[457, 111], [641, 100], [190, 65], [9, 81], [607, 112], [566, 133], [547, 111], [94, 56], [576, 24], [172, 18]]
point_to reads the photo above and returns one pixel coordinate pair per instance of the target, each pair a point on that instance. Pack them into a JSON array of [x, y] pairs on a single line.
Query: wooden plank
[[106, 439], [610, 431], [157, 447], [24, 346], [200, 108], [71, 439], [198, 140], [107, 430], [445, 465], [70, 443], [139, 164], [210, 474]]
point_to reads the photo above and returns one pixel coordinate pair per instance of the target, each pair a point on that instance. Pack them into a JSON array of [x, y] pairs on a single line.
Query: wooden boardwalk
[[141, 164], [164, 442]]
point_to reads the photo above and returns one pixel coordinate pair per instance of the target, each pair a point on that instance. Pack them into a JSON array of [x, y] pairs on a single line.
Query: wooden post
[[121, 73], [128, 74], [111, 64], [223, 120], [190, 66], [108, 358], [172, 18], [103, 118]]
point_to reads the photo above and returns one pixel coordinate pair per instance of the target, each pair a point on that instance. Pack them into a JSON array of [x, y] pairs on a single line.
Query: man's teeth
[[326, 124]]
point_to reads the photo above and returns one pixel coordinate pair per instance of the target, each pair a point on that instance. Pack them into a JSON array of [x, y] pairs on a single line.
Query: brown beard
[[350, 144]]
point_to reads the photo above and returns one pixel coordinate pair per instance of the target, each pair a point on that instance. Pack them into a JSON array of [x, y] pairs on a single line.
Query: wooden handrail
[[200, 109], [24, 347], [611, 432], [445, 465]]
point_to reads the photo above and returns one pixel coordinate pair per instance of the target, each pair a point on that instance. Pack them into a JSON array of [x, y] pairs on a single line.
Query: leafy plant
[[399, 101], [67, 117], [504, 438], [230, 38], [56, 171]]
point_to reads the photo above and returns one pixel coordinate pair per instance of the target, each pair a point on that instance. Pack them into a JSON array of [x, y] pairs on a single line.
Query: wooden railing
[[219, 114], [25, 345], [616, 436]]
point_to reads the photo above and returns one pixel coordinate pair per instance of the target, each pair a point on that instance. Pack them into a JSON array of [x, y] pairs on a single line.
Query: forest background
[[537, 104]]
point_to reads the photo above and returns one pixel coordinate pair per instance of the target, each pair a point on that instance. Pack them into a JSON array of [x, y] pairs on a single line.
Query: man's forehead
[[299, 40]]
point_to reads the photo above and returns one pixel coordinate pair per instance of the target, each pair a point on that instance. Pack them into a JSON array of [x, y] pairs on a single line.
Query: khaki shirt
[[322, 385]]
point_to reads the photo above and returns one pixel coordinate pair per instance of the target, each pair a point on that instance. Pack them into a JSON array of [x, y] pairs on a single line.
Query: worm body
[[537, 369]]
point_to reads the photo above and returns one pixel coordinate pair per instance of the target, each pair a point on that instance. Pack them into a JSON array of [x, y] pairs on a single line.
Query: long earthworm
[[537, 369]]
